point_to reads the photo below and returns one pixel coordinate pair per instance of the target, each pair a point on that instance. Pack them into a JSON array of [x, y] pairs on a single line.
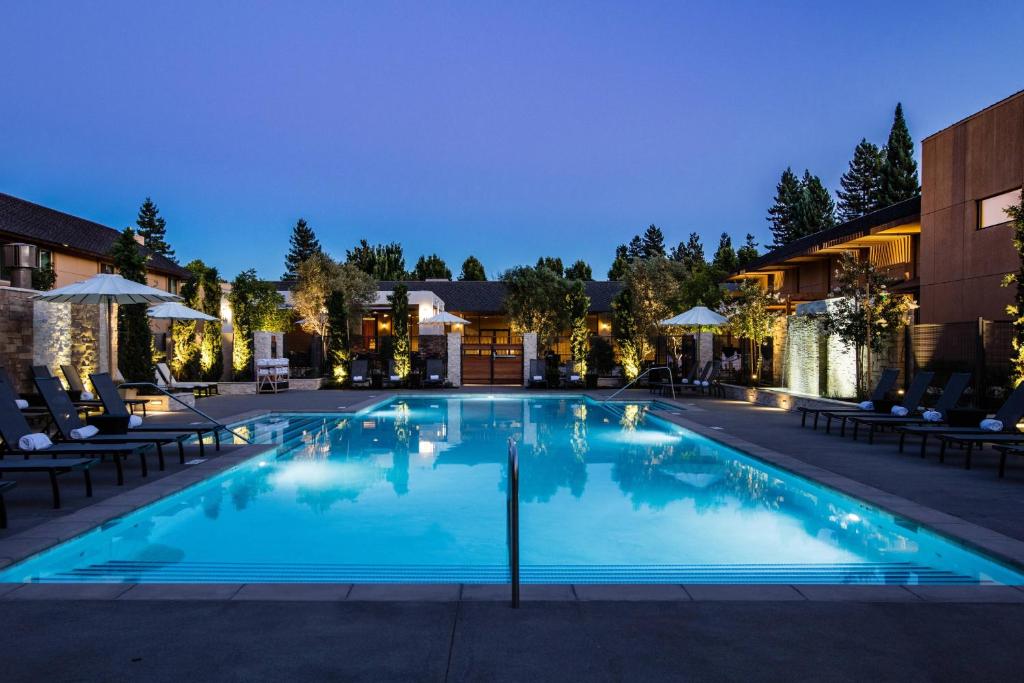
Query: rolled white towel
[[866, 405], [991, 425], [434, 378], [84, 432], [134, 421], [574, 378], [537, 378], [932, 416], [357, 378], [21, 403], [684, 381], [396, 378], [899, 411], [34, 442], [705, 383]]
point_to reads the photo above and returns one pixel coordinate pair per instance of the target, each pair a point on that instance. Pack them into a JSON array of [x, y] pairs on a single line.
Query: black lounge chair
[[433, 374], [911, 400], [85, 406], [698, 383], [951, 393], [77, 385], [32, 411], [573, 378], [66, 419], [1004, 452], [911, 404], [538, 373], [691, 376], [885, 384], [392, 380], [359, 373], [116, 415], [1009, 414], [5, 486]]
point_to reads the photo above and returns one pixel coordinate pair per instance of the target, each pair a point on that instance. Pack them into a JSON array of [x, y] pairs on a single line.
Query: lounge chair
[[433, 375], [392, 380], [698, 383], [538, 373], [1009, 414], [86, 406], [663, 380], [1004, 452], [359, 373], [77, 385], [67, 420], [712, 386], [5, 486], [116, 417], [29, 411], [690, 377], [573, 378], [951, 393], [166, 380], [881, 390], [911, 399]]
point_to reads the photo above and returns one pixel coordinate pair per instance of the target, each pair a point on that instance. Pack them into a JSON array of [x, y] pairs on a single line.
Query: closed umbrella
[[444, 318], [698, 316]]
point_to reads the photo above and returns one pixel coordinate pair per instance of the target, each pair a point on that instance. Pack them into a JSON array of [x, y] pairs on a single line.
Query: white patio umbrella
[[698, 316], [172, 310], [444, 318], [108, 289]]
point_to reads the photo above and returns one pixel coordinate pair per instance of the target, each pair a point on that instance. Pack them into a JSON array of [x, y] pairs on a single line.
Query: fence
[[982, 347]]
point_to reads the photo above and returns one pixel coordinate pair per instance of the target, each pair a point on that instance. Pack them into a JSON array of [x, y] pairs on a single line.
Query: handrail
[[512, 519], [636, 379], [195, 410]]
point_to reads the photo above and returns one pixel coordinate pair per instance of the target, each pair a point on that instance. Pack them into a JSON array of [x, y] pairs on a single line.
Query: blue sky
[[505, 130]]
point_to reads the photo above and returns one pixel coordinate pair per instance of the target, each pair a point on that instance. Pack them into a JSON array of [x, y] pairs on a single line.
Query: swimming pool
[[413, 490]]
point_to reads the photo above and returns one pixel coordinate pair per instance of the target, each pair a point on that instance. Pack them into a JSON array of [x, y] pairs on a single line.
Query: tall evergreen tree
[[783, 213], [302, 244], [552, 263], [690, 253], [134, 357], [382, 261], [862, 183], [815, 210], [747, 253], [635, 249], [579, 270], [472, 269], [431, 267], [725, 260], [621, 263], [652, 242], [153, 229], [899, 172]]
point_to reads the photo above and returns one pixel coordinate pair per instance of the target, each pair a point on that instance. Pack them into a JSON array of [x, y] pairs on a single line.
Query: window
[[107, 268], [992, 211], [45, 258], [172, 285]]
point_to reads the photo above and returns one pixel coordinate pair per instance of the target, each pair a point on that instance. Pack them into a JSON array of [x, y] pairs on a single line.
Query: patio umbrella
[[107, 288], [698, 316], [444, 318], [172, 310]]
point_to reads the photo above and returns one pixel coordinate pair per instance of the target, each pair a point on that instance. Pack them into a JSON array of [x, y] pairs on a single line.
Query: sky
[[506, 130]]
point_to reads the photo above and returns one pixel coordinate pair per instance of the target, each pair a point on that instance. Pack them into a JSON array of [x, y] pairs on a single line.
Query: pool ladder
[[512, 519], [671, 382], [169, 395]]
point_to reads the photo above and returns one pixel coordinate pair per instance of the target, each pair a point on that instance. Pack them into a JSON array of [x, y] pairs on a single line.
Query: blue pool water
[[414, 491]]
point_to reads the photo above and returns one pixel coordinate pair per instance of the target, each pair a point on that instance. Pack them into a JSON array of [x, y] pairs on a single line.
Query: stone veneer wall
[[16, 335], [529, 353], [455, 359]]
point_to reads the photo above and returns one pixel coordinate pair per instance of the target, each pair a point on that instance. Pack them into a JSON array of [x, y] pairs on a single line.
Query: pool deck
[[467, 632]]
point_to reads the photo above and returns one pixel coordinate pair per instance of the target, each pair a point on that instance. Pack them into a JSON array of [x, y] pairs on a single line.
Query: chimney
[[21, 259], [140, 239]]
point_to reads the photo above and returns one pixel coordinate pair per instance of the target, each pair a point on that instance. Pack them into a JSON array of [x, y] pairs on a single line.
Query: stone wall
[[16, 335], [455, 359], [267, 345], [529, 353], [433, 345]]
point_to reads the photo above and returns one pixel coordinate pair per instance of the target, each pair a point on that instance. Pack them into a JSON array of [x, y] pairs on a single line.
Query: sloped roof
[[48, 227]]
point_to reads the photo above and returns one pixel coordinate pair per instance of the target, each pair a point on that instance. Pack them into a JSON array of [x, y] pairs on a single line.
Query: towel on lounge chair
[[538, 378], [134, 421], [86, 396], [899, 411], [434, 378], [84, 432], [991, 425], [21, 403], [357, 378], [396, 378], [705, 383], [34, 442], [932, 416], [574, 378], [866, 405]]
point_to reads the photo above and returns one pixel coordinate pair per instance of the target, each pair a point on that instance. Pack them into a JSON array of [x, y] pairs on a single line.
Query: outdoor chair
[[1009, 414], [392, 380], [698, 383], [30, 411], [1004, 452], [951, 393], [75, 382], [165, 380], [116, 418], [86, 406], [433, 375], [843, 414], [573, 378], [885, 384], [66, 420], [359, 373], [690, 377], [5, 486], [538, 373]]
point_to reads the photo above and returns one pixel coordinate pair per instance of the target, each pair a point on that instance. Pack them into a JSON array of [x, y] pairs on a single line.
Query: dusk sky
[[507, 130]]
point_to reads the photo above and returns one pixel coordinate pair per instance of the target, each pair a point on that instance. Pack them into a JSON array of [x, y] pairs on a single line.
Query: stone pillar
[[529, 353], [16, 335], [455, 359], [51, 338], [706, 347], [263, 344]]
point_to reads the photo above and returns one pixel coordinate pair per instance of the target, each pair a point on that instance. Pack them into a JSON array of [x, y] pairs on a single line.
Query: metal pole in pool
[[512, 515]]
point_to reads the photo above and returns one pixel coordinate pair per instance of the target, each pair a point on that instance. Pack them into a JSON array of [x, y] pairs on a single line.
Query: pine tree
[[552, 263], [134, 357], [690, 253], [153, 229], [899, 171], [472, 269], [862, 183], [783, 213], [725, 260], [815, 210], [653, 242], [302, 244], [635, 249], [579, 270], [747, 253], [621, 263], [431, 267]]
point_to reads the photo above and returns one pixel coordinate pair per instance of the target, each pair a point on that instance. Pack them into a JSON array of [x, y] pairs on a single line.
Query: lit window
[[992, 211]]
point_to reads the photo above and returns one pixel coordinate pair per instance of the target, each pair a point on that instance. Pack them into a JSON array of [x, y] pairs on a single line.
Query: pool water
[[413, 490]]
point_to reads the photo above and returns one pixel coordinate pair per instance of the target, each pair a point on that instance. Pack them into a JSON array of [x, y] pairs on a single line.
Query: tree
[[725, 261], [577, 305], [1016, 309], [783, 213], [303, 244], [635, 249], [185, 359], [134, 340], [381, 261], [400, 344], [862, 183], [535, 302], [752, 317], [748, 253], [579, 271], [352, 291], [552, 263], [653, 242], [690, 253], [255, 306], [621, 263], [153, 229], [899, 170], [44, 277], [211, 360], [472, 270], [625, 334], [653, 284], [431, 267], [315, 282], [864, 314], [815, 211]]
